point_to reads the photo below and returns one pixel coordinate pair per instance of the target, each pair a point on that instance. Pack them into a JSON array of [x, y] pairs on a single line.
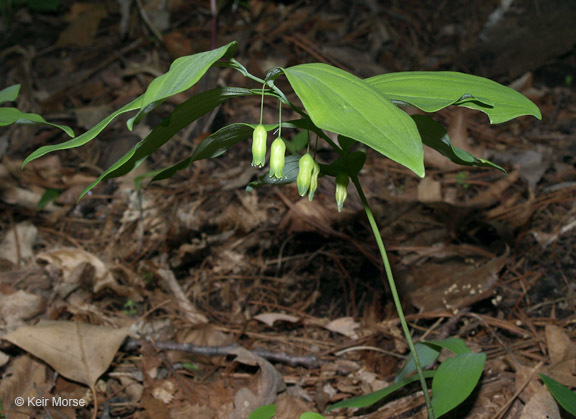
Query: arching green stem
[[394, 291]]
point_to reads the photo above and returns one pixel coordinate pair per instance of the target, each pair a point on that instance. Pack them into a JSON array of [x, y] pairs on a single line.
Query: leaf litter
[[248, 284]]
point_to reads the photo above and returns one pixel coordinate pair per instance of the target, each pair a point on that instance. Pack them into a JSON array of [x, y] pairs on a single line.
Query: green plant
[[358, 111]]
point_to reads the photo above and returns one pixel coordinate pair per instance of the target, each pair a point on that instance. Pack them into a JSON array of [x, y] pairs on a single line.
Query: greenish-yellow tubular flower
[[259, 146], [305, 167], [277, 156], [313, 181], [342, 181]]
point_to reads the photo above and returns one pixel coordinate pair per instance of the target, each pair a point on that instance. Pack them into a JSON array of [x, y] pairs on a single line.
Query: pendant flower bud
[[277, 155], [305, 167], [313, 181], [342, 181], [259, 146]]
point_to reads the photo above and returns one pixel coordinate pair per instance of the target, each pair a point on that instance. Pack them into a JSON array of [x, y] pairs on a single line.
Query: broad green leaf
[[182, 115], [454, 345], [264, 412], [9, 94], [454, 381], [563, 395], [290, 174], [371, 398], [435, 136], [435, 90], [342, 103], [184, 72], [428, 351], [87, 136], [426, 354], [14, 116], [311, 415]]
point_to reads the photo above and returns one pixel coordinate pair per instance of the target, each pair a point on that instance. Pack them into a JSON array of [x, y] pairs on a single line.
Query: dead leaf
[[78, 351], [451, 285], [83, 26], [24, 377], [429, 190], [562, 352], [3, 359], [541, 405], [20, 306], [270, 318], [270, 383], [18, 242], [69, 259], [345, 326]]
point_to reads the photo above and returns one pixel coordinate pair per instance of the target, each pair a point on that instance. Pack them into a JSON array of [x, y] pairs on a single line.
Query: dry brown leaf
[[78, 351], [20, 306], [451, 285], [541, 405], [18, 242], [69, 259], [429, 190], [345, 326], [3, 359], [562, 352], [83, 26], [23, 378], [270, 318], [270, 383]]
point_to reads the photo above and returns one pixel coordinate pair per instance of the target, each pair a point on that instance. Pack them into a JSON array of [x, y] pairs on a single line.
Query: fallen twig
[[308, 361]]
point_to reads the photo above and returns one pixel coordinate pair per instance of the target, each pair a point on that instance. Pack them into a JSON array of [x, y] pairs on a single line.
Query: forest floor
[[198, 299]]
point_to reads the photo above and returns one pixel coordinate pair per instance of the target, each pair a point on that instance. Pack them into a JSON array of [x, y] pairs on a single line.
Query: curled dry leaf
[[270, 384], [69, 259], [18, 241], [20, 306], [78, 351]]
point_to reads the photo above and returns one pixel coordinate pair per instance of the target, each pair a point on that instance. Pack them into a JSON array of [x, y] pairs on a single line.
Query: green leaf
[[455, 380], [342, 103], [49, 195], [212, 146], [426, 354], [428, 351], [435, 136], [290, 174], [264, 412], [182, 115], [184, 72], [311, 415], [563, 395], [9, 94], [87, 136], [454, 345], [435, 90], [371, 398], [14, 116]]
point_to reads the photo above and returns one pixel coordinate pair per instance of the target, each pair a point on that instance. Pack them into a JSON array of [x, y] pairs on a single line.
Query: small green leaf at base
[[371, 398], [264, 412], [563, 395], [455, 380]]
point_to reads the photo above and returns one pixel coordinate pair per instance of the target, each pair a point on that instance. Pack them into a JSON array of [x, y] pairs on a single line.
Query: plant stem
[[394, 292]]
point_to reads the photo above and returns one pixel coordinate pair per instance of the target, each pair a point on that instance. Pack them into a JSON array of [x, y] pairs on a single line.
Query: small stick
[[308, 361]]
